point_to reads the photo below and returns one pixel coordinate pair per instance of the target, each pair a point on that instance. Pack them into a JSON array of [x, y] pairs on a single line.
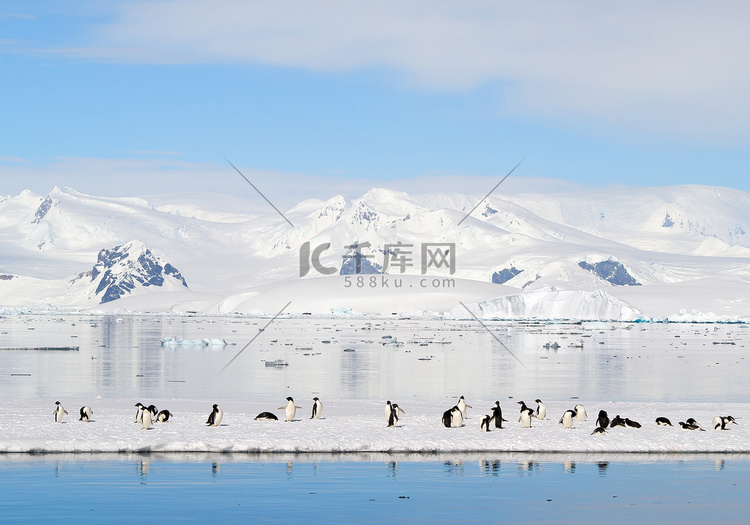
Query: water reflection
[[125, 359]]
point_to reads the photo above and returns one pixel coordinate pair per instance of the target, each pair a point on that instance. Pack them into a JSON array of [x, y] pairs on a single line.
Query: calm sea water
[[389, 489], [122, 357]]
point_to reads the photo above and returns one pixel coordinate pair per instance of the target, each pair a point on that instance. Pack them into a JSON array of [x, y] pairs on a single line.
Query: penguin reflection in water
[[214, 418], [391, 413], [59, 412], [290, 410]]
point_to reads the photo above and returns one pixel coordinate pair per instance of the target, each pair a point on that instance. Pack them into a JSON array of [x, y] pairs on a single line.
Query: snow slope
[[611, 253]]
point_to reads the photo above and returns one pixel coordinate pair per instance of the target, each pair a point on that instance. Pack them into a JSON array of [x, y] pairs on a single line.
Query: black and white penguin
[[59, 412], [214, 418], [456, 417], [721, 422], [146, 420], [663, 422], [317, 408], [580, 413], [541, 410], [153, 410], [393, 417], [387, 411], [617, 421], [139, 414], [85, 413], [567, 419], [691, 421], [462, 407], [690, 426], [163, 416], [603, 419], [484, 426], [599, 430], [631, 423], [497, 415], [525, 417], [290, 410], [266, 416]]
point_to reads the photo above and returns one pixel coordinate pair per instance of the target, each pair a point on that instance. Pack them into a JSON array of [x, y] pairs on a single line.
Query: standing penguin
[[497, 415], [567, 419], [59, 412], [484, 425], [580, 413], [462, 406], [457, 418], [393, 416], [541, 410], [290, 409], [139, 414], [447, 418], [214, 418], [526, 414], [86, 413], [146, 420], [524, 408], [603, 419], [163, 416], [317, 408]]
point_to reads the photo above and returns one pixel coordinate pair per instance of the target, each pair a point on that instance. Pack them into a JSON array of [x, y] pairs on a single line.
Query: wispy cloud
[[671, 65]]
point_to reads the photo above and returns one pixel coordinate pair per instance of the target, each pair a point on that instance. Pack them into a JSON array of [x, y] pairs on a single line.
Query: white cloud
[[674, 66]]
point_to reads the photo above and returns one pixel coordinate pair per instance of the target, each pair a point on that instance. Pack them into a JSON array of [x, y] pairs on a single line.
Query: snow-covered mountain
[[681, 252]]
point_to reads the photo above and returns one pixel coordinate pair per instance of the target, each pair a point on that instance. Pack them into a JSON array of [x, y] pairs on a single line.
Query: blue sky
[[133, 98]]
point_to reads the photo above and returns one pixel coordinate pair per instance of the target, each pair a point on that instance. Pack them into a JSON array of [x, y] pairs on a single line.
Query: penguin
[[580, 413], [214, 418], [690, 426], [462, 407], [290, 410], [393, 417], [59, 412], [457, 418], [617, 422], [541, 410], [387, 411], [139, 414], [721, 422], [599, 430], [497, 415], [317, 408], [146, 420], [663, 422], [266, 416], [163, 416], [603, 419], [525, 419], [567, 419], [153, 411], [86, 413], [631, 423], [484, 425]]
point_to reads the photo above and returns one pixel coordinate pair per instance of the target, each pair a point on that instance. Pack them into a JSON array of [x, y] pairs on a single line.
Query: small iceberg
[[195, 343], [277, 363]]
